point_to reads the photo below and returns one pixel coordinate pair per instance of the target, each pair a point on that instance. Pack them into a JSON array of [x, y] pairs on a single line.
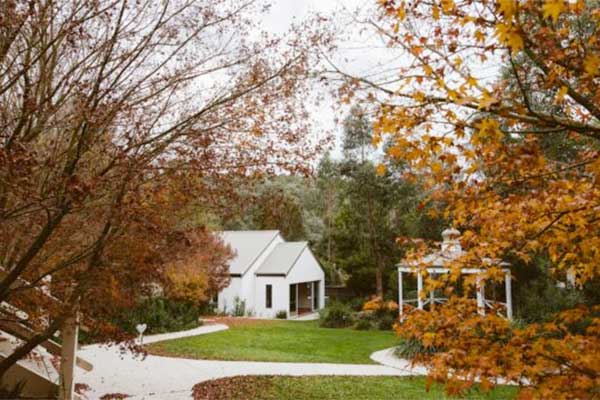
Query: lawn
[[283, 341], [333, 388]]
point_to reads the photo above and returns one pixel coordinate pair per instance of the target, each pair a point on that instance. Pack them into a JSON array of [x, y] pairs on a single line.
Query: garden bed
[[332, 388]]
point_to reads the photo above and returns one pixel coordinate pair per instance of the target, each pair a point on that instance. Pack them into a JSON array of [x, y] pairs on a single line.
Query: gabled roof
[[248, 246], [282, 259]]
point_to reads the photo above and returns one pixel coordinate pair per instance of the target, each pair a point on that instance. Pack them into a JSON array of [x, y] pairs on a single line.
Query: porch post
[[419, 290], [480, 295], [68, 354], [508, 287], [312, 296], [400, 295]]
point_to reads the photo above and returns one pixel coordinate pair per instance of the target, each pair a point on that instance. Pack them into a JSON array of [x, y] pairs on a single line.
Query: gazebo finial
[[450, 241]]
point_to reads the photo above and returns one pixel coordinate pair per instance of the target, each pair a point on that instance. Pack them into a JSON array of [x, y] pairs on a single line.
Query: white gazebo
[[438, 263]]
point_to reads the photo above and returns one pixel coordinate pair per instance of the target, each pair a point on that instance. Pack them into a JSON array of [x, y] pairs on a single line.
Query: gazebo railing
[[482, 302]]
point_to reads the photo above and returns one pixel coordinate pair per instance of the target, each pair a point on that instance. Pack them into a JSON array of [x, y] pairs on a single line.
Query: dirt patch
[[237, 387], [233, 322]]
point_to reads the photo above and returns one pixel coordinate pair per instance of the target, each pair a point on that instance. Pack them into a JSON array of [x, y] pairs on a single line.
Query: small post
[[141, 328], [68, 355], [400, 295], [480, 296], [508, 286], [419, 290]]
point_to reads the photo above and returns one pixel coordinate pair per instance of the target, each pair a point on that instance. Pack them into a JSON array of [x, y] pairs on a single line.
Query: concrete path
[[168, 378], [388, 358], [201, 330], [306, 317]]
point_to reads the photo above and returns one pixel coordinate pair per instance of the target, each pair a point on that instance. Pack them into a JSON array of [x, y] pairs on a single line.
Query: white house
[[271, 275]]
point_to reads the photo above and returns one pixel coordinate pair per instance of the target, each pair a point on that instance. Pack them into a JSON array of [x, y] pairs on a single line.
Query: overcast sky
[[359, 52]]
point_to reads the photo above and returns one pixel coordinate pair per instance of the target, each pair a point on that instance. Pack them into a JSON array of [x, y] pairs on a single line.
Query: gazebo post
[[400, 295], [508, 287], [419, 290], [480, 287]]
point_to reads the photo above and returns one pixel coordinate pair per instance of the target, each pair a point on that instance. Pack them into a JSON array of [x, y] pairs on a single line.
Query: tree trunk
[[379, 281], [374, 247]]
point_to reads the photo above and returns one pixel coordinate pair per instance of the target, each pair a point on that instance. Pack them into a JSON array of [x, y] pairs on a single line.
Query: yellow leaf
[[591, 64], [381, 170], [553, 8], [509, 36], [487, 100], [428, 70], [507, 7], [435, 11], [401, 13], [560, 95], [479, 36], [419, 96], [447, 6], [428, 339]]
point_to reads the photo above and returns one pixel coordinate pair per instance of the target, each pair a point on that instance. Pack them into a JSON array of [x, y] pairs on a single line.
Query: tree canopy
[[514, 159], [117, 118]]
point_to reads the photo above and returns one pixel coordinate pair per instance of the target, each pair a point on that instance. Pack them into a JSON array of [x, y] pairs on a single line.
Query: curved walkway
[[168, 378], [388, 358]]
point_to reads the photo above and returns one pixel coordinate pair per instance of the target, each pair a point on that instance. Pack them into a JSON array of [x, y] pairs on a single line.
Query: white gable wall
[[226, 296], [281, 296], [245, 287], [307, 269]]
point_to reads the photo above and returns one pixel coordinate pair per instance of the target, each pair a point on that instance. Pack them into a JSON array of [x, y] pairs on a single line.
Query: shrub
[[363, 325], [383, 313], [385, 322], [356, 303], [336, 315], [281, 314], [410, 348], [239, 307], [161, 315], [378, 305], [541, 299]]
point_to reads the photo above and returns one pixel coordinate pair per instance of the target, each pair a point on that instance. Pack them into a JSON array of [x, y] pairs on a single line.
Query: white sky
[[358, 52]]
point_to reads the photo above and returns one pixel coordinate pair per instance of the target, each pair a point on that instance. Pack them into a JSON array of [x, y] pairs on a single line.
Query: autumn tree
[[482, 136], [115, 118]]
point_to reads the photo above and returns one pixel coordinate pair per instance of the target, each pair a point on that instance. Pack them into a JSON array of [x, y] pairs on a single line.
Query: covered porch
[[304, 298]]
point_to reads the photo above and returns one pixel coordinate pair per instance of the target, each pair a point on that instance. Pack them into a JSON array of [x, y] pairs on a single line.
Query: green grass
[[283, 341], [335, 388]]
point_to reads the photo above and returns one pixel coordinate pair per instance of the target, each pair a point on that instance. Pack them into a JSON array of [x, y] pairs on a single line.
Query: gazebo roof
[[450, 250]]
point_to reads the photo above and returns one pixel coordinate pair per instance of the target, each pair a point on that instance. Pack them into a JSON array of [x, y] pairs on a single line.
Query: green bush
[[356, 303], [385, 322], [409, 349], [281, 314], [239, 307], [363, 325], [541, 299], [160, 315], [336, 315]]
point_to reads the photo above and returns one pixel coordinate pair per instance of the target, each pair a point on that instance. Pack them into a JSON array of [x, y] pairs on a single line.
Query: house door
[[293, 298]]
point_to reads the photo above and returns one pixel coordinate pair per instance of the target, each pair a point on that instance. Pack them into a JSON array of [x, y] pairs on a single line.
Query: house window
[[269, 296]]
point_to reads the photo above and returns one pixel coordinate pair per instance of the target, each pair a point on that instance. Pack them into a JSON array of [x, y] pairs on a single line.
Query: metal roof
[[248, 246], [282, 259]]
